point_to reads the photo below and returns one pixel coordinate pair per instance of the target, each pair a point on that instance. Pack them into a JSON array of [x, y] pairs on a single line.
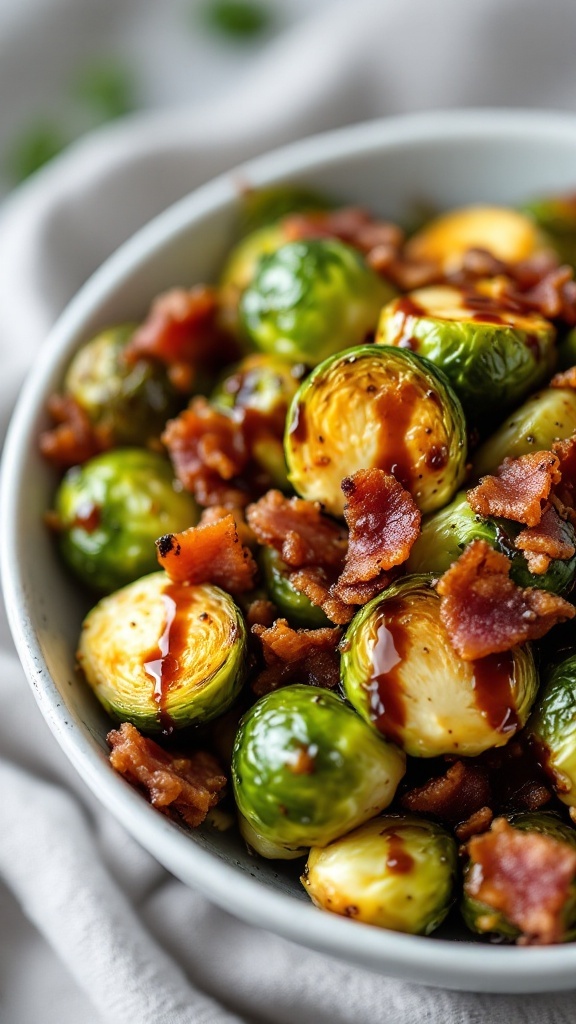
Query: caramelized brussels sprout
[[312, 298], [507, 234], [164, 655], [555, 216], [306, 769], [111, 510], [552, 728], [376, 406], [547, 416], [396, 871], [491, 359], [447, 532], [291, 604], [131, 401], [401, 673]]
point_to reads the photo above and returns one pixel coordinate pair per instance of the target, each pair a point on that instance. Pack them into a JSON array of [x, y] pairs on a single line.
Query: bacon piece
[[518, 489], [526, 876], [74, 439], [484, 612], [214, 513], [350, 224], [297, 655], [477, 823], [261, 612], [452, 797], [317, 584], [566, 379], [547, 540], [384, 522], [208, 554], [298, 530], [189, 786]]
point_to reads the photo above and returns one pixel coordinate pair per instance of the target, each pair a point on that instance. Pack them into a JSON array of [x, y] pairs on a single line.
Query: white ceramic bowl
[[446, 159]]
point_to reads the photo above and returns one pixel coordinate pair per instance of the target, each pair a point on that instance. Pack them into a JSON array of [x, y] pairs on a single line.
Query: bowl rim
[[429, 960]]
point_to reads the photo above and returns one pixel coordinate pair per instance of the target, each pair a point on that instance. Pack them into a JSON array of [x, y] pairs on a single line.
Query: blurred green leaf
[[240, 19], [38, 143], [106, 87]]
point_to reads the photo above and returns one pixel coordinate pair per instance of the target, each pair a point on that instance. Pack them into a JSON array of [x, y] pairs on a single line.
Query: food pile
[[329, 508]]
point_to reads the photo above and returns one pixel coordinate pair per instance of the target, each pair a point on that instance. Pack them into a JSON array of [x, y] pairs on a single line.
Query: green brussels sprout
[[164, 655], [130, 401], [552, 728], [291, 604], [312, 298], [567, 350], [545, 417], [376, 406], [402, 674], [491, 360], [447, 532], [556, 217], [240, 270], [111, 510], [396, 871], [263, 206], [306, 769], [486, 920]]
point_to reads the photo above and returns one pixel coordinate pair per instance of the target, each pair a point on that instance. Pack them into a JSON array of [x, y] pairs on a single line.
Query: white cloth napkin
[[91, 927]]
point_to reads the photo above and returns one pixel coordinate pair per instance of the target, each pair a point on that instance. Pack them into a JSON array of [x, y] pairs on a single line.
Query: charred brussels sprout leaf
[[164, 655], [507, 234], [311, 299], [113, 508], [396, 871], [556, 217], [291, 604], [401, 673], [132, 401], [306, 769], [552, 728], [382, 407], [491, 359]]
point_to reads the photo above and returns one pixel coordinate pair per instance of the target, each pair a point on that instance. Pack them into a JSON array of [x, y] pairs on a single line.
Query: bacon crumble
[[73, 439], [211, 553], [462, 791], [298, 530], [542, 543], [518, 489], [307, 656]]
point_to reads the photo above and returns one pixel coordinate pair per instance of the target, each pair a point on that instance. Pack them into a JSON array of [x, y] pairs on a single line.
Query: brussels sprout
[[291, 604], [507, 234], [556, 217], [447, 532], [306, 769], [548, 416], [396, 871], [552, 728], [491, 360], [312, 298], [111, 510], [567, 350], [263, 206], [402, 674], [240, 269], [484, 919], [131, 401], [265, 847], [376, 406], [164, 655]]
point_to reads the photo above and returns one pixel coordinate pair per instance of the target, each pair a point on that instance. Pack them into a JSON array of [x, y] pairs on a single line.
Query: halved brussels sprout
[[484, 919], [555, 216], [164, 655], [111, 510], [552, 728], [312, 298], [306, 769], [131, 401], [396, 871], [545, 417], [291, 604], [447, 532], [507, 234], [402, 674], [492, 360], [262, 206], [382, 407]]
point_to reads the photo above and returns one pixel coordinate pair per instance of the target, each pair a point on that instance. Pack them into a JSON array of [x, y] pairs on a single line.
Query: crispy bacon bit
[[208, 554], [484, 612], [208, 451], [261, 613], [519, 488], [566, 379], [457, 794], [477, 823], [545, 541], [189, 786], [384, 522], [74, 439], [350, 224], [524, 875], [297, 655], [298, 530], [316, 584], [216, 512]]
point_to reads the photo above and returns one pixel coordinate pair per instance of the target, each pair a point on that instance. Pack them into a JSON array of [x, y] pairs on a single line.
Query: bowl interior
[[390, 167]]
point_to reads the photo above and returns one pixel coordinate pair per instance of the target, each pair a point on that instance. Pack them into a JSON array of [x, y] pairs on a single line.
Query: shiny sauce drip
[[384, 688], [298, 428], [395, 410], [405, 310], [398, 861], [488, 318], [493, 691], [163, 664]]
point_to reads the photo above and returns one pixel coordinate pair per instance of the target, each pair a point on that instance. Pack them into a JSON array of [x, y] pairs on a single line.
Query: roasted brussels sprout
[[447, 532], [396, 871], [291, 604], [376, 406], [492, 360], [548, 416], [131, 401], [312, 298], [567, 350], [240, 269], [402, 674], [111, 510], [164, 655], [262, 206], [555, 216], [306, 769], [552, 728], [507, 234]]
